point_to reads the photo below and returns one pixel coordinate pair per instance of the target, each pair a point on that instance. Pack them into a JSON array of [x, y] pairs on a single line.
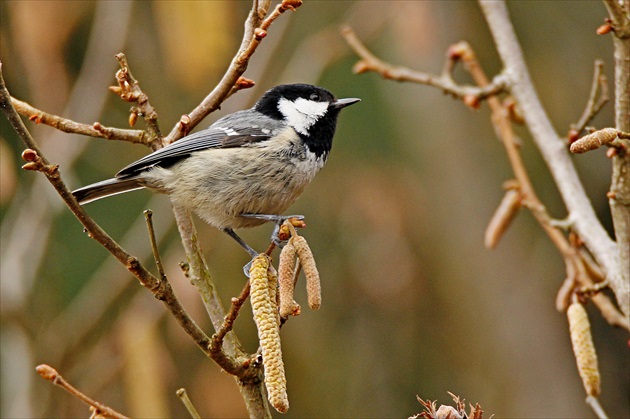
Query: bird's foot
[[278, 220]]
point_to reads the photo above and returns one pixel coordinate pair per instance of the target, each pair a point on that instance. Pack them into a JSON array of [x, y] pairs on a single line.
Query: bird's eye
[[314, 96]]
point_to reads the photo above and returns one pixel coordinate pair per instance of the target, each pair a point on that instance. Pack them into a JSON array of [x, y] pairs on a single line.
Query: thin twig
[[72, 127], [369, 62], [228, 322], [574, 259], [129, 90], [183, 396], [148, 216], [37, 161], [462, 51], [251, 40], [598, 97], [553, 149], [50, 374]]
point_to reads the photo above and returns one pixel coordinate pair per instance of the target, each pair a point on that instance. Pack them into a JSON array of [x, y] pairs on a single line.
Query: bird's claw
[[279, 220], [247, 267]]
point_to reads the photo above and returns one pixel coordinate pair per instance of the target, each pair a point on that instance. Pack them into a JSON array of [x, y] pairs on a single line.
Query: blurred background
[[413, 304]]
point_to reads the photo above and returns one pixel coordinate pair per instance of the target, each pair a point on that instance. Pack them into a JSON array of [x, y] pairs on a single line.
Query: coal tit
[[246, 168]]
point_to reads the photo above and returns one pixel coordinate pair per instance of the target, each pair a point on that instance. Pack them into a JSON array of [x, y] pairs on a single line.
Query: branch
[[519, 192], [445, 82], [620, 15], [553, 150], [230, 318], [50, 374], [523, 190], [37, 161], [72, 127], [129, 90], [599, 90], [255, 31], [183, 396], [619, 194]]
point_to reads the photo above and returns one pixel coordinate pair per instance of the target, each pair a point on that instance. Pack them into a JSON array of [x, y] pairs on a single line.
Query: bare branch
[[619, 194], [620, 15], [148, 216], [255, 31], [129, 90], [553, 150], [369, 62], [230, 318], [37, 161], [72, 127], [183, 396], [598, 97], [50, 374]]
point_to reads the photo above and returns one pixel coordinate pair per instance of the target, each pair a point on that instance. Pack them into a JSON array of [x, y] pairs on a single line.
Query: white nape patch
[[302, 113], [228, 131]]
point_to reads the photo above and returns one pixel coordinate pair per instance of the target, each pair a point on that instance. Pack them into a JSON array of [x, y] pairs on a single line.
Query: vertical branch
[[553, 149], [200, 277], [619, 196]]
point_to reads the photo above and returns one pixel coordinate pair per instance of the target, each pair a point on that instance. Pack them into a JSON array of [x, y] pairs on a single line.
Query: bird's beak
[[342, 103]]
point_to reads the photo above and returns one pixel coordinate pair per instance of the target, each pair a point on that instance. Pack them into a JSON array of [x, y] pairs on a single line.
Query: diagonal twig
[[598, 97], [255, 31], [37, 161], [50, 374]]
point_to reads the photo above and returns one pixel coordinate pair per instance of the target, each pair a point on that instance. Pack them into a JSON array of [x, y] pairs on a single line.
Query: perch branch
[[37, 161], [228, 322]]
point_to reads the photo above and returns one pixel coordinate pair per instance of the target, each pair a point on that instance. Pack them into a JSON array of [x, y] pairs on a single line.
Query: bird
[[247, 168]]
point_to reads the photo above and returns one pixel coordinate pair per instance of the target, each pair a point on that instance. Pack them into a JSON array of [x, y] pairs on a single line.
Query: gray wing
[[240, 132]]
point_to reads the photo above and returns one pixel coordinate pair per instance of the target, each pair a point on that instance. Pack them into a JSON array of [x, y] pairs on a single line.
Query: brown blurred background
[[413, 303]]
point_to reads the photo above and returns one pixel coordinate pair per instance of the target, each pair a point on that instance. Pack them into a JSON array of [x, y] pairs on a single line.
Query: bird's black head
[[312, 111]]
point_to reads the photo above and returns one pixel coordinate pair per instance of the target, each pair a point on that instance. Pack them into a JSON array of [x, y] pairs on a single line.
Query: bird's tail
[[106, 188]]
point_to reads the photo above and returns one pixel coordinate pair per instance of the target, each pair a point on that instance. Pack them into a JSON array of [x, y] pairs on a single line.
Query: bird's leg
[[278, 219], [245, 246], [240, 241]]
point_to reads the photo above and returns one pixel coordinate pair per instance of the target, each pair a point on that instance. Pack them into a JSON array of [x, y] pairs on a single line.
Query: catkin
[[583, 348], [286, 268], [266, 318], [313, 285], [503, 216], [272, 286]]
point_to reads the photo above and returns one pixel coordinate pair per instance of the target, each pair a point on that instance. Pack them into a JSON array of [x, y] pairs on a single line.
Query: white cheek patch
[[302, 113]]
